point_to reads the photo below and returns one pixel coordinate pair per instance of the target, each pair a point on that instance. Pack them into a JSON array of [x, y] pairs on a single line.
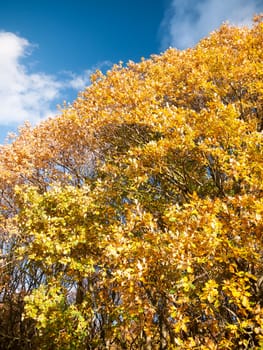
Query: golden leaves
[[141, 204]]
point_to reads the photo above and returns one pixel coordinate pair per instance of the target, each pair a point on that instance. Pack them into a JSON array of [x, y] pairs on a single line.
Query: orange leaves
[[142, 202]]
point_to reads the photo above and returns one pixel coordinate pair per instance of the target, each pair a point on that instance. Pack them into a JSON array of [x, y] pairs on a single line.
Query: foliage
[[134, 219]]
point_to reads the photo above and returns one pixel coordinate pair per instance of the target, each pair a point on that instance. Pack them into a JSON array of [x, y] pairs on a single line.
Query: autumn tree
[[134, 219]]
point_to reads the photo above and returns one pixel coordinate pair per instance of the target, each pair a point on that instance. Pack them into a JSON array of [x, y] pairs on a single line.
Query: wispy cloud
[[22, 95], [187, 21], [30, 96], [80, 81]]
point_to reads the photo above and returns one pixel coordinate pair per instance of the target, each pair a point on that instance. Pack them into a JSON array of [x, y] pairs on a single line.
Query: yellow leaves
[[189, 269], [59, 323], [147, 198], [186, 284], [245, 301], [239, 294], [210, 292], [96, 76], [56, 228]]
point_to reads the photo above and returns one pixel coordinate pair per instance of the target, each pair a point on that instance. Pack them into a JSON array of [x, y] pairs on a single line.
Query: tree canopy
[[134, 219]]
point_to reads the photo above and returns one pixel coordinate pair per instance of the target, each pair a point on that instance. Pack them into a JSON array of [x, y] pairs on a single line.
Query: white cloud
[[78, 82], [23, 95], [187, 21], [30, 96]]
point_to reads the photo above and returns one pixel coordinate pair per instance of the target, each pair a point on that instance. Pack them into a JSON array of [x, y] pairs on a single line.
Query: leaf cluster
[[133, 220]]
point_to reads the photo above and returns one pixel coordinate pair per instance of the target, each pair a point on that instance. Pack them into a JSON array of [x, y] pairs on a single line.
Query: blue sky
[[49, 48]]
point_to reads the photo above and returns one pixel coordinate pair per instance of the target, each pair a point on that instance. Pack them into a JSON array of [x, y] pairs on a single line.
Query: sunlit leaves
[[137, 213]]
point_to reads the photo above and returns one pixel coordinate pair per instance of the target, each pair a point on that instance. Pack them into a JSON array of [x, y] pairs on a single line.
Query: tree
[[133, 220]]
